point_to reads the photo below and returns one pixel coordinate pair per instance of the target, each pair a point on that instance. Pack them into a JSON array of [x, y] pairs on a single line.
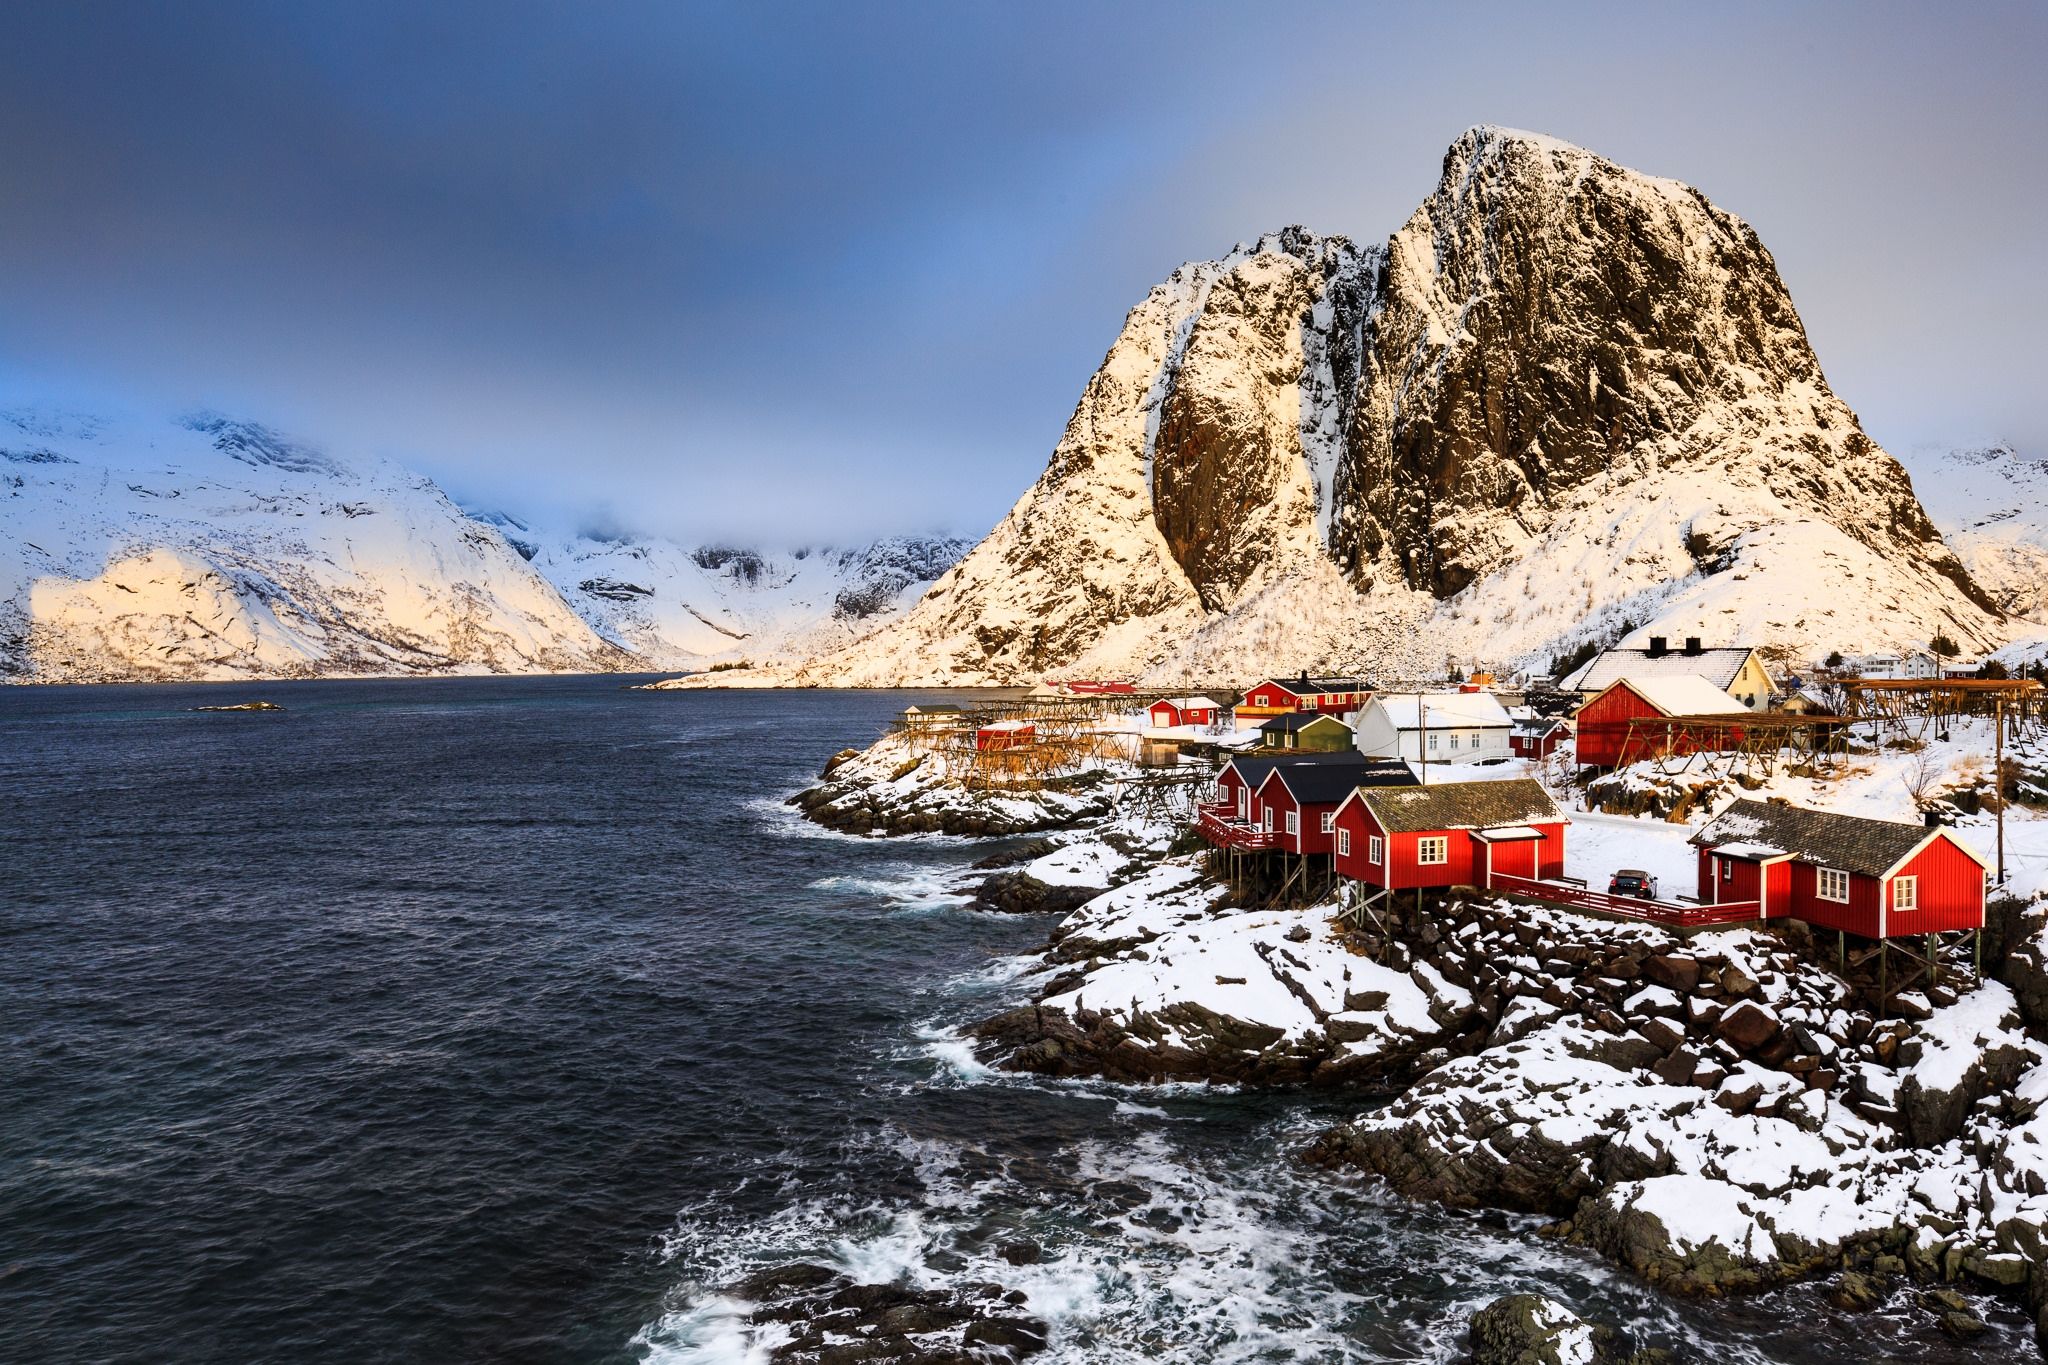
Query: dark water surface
[[506, 1019]]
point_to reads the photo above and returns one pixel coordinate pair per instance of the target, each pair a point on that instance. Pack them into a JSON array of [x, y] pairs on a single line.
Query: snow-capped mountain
[[214, 548], [1991, 503], [679, 606], [1564, 401]]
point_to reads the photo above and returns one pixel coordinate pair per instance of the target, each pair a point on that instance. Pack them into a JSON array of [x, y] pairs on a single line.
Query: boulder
[[1529, 1329], [1748, 1026]]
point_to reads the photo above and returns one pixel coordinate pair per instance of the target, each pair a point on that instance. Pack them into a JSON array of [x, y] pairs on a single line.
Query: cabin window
[[1293, 823], [1727, 870], [1432, 743], [1832, 884], [1329, 821], [1905, 893], [1454, 741], [1343, 843], [1433, 850], [1375, 849]]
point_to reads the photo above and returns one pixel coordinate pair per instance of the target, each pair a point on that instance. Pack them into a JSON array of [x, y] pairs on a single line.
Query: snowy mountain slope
[[1991, 503], [681, 607], [1565, 399], [211, 548]]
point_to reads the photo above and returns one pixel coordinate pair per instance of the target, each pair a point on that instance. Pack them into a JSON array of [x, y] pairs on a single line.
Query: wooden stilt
[[1841, 950], [1933, 962]]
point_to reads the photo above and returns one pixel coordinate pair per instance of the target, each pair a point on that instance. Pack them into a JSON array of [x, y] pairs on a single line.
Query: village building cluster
[[1340, 784]]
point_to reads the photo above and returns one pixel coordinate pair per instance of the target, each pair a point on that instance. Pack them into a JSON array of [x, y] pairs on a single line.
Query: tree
[[1942, 645], [1834, 659], [1994, 670]]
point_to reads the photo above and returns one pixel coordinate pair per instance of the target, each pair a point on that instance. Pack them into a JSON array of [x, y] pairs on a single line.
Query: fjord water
[[494, 1019]]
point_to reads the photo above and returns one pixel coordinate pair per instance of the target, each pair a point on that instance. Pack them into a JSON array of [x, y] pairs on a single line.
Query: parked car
[[1632, 881]]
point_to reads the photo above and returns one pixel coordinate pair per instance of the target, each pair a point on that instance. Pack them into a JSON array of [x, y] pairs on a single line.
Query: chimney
[[1692, 645], [1659, 647]]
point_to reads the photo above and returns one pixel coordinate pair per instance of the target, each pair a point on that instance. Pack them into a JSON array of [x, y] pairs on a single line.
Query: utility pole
[[1422, 718]]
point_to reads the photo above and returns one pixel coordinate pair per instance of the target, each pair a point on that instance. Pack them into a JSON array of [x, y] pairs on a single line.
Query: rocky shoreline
[[895, 788], [1720, 1113]]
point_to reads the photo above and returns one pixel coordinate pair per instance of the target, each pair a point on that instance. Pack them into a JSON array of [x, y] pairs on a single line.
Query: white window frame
[[1329, 821], [1269, 820], [1910, 899], [1432, 741], [1244, 803], [1375, 849], [1727, 869], [1827, 881], [1440, 844], [1454, 741], [1343, 843], [1294, 822]]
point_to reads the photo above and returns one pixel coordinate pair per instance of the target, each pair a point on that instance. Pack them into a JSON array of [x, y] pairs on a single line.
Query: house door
[[1244, 803]]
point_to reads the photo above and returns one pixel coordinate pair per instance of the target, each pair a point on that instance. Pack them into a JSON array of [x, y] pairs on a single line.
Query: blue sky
[[779, 272]]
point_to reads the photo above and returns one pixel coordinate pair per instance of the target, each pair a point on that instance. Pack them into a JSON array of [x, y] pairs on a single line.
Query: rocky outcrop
[[829, 1319], [1529, 1329], [897, 787], [1565, 398]]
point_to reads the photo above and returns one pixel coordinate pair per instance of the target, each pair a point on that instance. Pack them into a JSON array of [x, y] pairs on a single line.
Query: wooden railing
[[1628, 907], [1211, 823]]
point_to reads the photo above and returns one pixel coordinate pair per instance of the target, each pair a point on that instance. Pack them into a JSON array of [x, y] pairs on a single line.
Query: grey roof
[[1461, 805], [1823, 837], [1610, 666], [1325, 784], [1254, 767], [1301, 720]]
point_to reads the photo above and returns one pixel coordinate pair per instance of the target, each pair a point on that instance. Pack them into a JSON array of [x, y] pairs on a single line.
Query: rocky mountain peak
[[1563, 400]]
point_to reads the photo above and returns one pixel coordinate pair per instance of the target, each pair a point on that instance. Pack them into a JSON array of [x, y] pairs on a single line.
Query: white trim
[[1932, 835], [1293, 824], [1343, 843], [1820, 885], [1443, 841], [1912, 887], [1375, 850], [1328, 821]]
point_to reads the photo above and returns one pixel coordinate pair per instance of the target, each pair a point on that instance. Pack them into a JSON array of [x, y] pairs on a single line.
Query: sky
[[781, 273]]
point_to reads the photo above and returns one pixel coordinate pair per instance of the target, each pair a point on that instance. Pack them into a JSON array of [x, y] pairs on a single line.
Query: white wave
[[714, 1332]]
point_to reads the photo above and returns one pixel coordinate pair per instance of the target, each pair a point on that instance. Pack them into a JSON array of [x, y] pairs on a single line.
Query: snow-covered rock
[[1564, 397], [900, 786], [1991, 503], [691, 607]]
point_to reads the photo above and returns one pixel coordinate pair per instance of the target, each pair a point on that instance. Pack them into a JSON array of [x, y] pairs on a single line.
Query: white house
[[1911, 664], [1435, 727]]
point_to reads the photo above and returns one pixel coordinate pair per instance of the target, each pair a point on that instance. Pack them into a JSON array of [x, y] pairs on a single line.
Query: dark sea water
[[507, 1020]]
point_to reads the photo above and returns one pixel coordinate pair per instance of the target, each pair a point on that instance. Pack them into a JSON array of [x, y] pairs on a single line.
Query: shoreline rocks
[[894, 787], [831, 1320]]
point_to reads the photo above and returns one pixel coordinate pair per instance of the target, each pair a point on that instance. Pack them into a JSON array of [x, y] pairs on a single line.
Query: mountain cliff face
[[1991, 503], [1564, 401]]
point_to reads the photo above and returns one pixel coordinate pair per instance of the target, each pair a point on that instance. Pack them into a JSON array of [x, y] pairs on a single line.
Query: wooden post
[[1883, 975], [1841, 951], [1933, 963], [1998, 782]]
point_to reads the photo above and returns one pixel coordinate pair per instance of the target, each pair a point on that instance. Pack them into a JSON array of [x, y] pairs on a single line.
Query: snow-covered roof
[[1188, 703], [1718, 666], [1008, 725], [1444, 710], [1685, 694], [1302, 720]]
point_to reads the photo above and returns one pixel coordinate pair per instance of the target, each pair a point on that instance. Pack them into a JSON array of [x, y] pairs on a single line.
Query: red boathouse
[[1873, 878], [1607, 738], [1297, 802], [1005, 734], [1455, 834], [1172, 711]]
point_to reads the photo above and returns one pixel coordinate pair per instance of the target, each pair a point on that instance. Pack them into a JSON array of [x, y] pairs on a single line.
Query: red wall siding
[[1859, 916], [1359, 822], [1517, 859], [1603, 733], [1951, 892]]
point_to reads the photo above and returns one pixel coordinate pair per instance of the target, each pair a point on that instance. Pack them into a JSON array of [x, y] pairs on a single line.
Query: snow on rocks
[[896, 787], [1160, 984], [1529, 1329]]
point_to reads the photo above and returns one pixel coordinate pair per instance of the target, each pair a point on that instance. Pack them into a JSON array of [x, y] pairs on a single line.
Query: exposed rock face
[[894, 787], [1563, 394]]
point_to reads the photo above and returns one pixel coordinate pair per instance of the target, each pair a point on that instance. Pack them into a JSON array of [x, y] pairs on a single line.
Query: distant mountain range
[[1565, 402], [211, 547]]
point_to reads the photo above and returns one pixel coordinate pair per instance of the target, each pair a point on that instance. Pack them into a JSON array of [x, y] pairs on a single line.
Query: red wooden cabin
[[1454, 834], [1298, 801], [1606, 739], [1539, 737], [1278, 696], [1241, 777], [1005, 734], [1872, 878], [1171, 711]]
